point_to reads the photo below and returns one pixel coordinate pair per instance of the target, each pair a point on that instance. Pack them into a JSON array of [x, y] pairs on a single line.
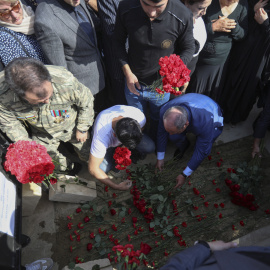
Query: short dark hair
[[180, 119], [24, 74], [192, 2], [128, 132]]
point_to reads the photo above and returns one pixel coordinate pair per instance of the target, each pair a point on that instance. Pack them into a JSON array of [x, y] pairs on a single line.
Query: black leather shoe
[[178, 154], [25, 240]]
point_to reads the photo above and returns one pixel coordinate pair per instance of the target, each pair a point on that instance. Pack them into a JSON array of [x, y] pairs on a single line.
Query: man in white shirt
[[115, 126]]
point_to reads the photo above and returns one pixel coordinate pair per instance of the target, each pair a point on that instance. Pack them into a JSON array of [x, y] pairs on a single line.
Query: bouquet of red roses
[[174, 75], [28, 161], [122, 158]]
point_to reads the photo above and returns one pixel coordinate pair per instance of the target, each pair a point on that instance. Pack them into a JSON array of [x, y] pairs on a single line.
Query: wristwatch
[[82, 131], [184, 175]]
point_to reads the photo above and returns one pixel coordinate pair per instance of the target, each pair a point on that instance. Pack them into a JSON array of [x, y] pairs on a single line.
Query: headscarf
[[27, 25]]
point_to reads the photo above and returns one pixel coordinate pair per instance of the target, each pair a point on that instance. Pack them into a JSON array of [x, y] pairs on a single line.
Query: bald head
[[175, 120]]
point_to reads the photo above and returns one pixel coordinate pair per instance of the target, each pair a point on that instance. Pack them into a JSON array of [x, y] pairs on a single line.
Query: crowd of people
[[80, 72]]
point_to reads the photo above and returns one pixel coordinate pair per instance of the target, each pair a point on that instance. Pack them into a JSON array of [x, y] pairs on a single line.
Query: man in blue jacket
[[191, 113]]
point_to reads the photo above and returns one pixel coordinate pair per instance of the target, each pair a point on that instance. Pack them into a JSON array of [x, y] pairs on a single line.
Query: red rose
[[267, 211], [218, 190], [129, 238], [145, 248], [69, 217], [214, 182], [106, 188], [113, 212], [89, 246], [69, 225], [109, 203], [114, 195], [86, 219], [123, 220], [129, 211], [78, 210], [242, 223], [196, 191], [216, 205], [78, 238], [195, 208], [218, 164], [233, 227], [229, 170], [71, 237], [136, 232], [220, 215], [203, 197], [114, 227], [92, 235], [166, 253]]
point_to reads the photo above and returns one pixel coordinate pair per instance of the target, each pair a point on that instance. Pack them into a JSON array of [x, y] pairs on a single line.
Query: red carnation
[[184, 224], [86, 219], [145, 248], [134, 220], [78, 210], [89, 246], [196, 191], [113, 212], [53, 181], [222, 205]]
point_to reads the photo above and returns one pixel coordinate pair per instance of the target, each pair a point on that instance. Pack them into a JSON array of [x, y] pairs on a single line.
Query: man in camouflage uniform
[[50, 101]]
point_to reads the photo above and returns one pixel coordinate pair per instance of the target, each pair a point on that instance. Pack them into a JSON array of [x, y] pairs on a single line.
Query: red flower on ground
[[92, 235], [78, 210], [80, 225], [195, 207], [196, 191], [214, 182], [71, 248], [86, 219], [267, 211], [218, 190], [228, 182], [242, 223], [203, 197], [109, 203], [222, 205], [113, 212], [129, 211], [166, 253], [106, 188], [184, 224], [220, 215], [216, 205], [69, 225], [114, 195], [89, 246], [218, 164], [209, 157], [134, 219], [114, 227], [233, 227], [69, 217], [145, 248], [206, 204]]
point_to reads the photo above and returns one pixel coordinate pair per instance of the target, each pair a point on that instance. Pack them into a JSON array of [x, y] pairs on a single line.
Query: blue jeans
[[146, 96], [146, 146]]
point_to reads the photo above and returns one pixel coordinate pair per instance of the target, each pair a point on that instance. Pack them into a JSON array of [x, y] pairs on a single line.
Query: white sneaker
[[42, 264]]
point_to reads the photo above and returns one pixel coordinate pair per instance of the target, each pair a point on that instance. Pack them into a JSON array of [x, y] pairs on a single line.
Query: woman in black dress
[[249, 67], [225, 21]]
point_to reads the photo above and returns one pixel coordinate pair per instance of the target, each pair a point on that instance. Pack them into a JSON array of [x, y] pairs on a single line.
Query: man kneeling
[[115, 126]]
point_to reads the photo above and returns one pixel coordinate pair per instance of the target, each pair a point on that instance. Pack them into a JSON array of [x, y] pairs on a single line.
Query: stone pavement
[[41, 225]]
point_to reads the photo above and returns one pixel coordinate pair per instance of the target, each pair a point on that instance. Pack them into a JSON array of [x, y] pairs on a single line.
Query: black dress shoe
[[25, 240], [179, 153]]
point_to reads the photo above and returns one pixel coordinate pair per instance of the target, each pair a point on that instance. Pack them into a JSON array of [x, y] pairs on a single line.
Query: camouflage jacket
[[70, 106]]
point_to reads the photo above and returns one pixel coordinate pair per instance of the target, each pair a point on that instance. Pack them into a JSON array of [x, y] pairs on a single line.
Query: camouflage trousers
[[61, 162]]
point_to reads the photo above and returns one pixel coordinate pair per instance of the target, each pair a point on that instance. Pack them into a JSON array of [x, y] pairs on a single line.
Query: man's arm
[[185, 42], [11, 126], [51, 44], [94, 169]]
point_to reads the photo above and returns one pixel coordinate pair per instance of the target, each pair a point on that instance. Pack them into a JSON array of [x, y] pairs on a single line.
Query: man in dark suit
[[66, 33], [194, 113], [218, 255]]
